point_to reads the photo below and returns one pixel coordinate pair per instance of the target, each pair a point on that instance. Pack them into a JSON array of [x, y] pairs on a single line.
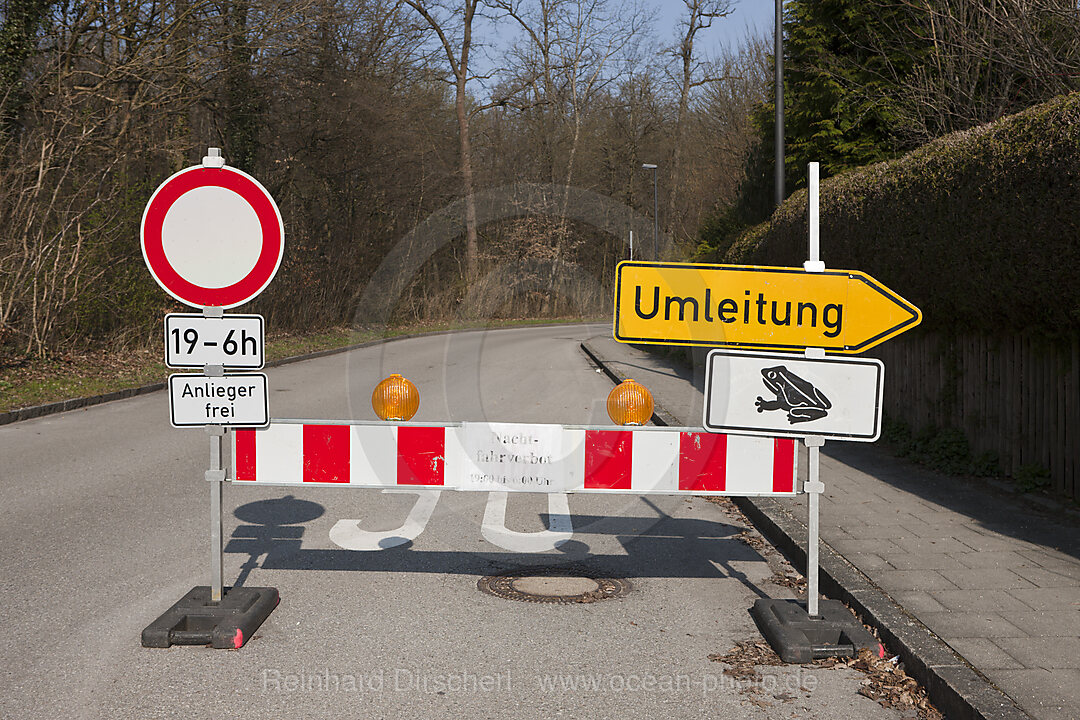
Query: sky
[[747, 16], [725, 31]]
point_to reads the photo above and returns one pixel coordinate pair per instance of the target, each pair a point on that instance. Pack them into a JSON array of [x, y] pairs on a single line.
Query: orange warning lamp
[[395, 398], [629, 403]]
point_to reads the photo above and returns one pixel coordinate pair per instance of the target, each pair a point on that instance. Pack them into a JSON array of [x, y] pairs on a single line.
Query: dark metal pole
[[656, 217], [779, 100]]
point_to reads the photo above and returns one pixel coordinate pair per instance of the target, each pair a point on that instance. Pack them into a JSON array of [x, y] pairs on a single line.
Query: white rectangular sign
[[194, 341], [781, 394], [513, 457], [227, 400]]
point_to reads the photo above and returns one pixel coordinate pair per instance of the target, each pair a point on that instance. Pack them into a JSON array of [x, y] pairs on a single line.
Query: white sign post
[[212, 237]]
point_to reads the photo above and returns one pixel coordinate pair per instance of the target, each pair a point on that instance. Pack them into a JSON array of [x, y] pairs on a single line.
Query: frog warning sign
[[775, 394]]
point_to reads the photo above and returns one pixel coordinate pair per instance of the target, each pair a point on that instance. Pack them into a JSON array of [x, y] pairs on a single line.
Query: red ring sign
[[212, 237]]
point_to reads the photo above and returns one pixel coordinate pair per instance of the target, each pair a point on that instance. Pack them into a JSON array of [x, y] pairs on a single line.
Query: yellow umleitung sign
[[753, 306]]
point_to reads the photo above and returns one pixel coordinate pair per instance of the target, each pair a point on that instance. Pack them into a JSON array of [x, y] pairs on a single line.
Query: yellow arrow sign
[[753, 306]]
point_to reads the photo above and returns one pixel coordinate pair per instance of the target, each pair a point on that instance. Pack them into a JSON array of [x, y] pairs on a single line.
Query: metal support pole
[[814, 487], [216, 476], [778, 52], [814, 264], [631, 244]]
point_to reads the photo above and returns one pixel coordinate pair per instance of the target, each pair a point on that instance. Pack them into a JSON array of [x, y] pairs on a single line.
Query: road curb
[[29, 413], [954, 686]]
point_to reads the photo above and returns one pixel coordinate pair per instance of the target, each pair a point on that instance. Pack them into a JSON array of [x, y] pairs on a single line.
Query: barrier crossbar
[[472, 456]]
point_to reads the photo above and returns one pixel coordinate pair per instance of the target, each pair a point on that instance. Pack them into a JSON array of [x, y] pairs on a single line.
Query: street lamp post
[[778, 50], [656, 212]]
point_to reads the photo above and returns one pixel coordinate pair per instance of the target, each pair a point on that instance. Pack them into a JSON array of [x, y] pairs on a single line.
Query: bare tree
[[693, 74], [455, 34], [573, 52]]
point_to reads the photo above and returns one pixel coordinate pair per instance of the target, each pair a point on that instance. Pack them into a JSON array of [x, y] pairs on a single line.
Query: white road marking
[[347, 534], [560, 528]]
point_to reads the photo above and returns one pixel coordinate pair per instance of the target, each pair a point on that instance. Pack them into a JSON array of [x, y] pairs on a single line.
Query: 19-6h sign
[[212, 236]]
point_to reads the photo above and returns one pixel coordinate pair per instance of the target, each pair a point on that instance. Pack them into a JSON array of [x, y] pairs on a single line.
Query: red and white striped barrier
[[516, 457]]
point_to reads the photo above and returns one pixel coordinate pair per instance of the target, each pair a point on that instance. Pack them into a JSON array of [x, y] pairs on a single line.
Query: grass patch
[[27, 382]]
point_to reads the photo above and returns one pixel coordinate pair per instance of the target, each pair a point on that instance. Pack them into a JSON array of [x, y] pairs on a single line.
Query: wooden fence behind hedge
[[1016, 397]]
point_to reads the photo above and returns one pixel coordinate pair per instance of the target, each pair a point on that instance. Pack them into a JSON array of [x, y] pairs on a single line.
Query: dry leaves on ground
[[743, 659], [888, 684]]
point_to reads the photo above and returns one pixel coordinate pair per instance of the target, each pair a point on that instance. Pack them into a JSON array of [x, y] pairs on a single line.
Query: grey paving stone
[[877, 532], [845, 545], [951, 624], [1043, 577], [978, 541], [938, 516], [893, 580], [837, 531], [1067, 567], [992, 559], [936, 532], [924, 561], [1053, 556], [1044, 652], [868, 562], [993, 601], [1044, 694], [931, 545], [917, 601], [915, 520], [987, 579], [1054, 599], [984, 654], [1046, 623]]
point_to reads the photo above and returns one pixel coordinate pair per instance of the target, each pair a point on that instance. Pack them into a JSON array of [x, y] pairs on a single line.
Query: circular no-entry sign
[[212, 237]]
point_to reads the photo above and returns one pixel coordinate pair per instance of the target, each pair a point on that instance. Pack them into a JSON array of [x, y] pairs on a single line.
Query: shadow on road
[[655, 547]]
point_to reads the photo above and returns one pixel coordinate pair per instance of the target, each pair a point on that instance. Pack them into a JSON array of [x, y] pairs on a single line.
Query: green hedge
[[980, 229]]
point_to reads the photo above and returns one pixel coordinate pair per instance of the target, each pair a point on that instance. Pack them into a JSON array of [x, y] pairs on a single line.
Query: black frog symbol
[[802, 401]]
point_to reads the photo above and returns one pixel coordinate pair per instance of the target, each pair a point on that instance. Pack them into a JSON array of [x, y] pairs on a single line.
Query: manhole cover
[[553, 585]]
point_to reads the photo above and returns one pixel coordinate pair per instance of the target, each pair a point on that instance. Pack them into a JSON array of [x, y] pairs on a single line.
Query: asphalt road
[[105, 523]]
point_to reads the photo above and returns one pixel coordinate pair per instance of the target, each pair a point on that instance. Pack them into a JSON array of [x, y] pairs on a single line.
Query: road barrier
[[513, 457]]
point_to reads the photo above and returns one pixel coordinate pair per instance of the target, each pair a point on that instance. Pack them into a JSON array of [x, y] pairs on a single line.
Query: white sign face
[[228, 400], [234, 341], [205, 226], [780, 394], [513, 457]]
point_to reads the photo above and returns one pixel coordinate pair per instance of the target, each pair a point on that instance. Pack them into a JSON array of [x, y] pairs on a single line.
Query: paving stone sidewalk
[[994, 575]]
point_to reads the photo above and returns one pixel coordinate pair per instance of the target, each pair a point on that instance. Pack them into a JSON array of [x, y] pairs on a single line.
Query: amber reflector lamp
[[395, 398], [629, 403]]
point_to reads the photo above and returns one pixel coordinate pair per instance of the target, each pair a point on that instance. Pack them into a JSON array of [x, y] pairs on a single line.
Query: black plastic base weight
[[196, 620], [798, 638]]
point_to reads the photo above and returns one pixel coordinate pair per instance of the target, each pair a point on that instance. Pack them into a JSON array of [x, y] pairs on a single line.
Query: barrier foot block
[[798, 638], [196, 620]]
